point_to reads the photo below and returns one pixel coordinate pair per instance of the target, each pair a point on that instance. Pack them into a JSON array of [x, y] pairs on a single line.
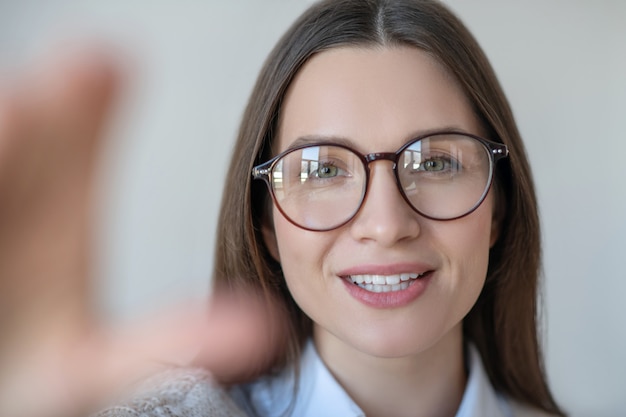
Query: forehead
[[377, 98]]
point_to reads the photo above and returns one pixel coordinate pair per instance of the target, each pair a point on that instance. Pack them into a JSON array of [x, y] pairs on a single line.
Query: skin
[[402, 360]]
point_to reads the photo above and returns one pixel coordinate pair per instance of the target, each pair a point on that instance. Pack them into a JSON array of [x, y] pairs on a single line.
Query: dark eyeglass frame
[[495, 150]]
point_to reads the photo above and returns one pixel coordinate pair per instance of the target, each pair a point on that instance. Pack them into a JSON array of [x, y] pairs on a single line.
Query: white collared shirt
[[320, 395]]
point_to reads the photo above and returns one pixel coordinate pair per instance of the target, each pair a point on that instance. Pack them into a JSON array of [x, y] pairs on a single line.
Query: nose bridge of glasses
[[380, 156]]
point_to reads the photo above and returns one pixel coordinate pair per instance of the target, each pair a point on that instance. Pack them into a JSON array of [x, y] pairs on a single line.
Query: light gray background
[[191, 65]]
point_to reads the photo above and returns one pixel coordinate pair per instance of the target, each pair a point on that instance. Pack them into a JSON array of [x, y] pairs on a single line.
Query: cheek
[[301, 252], [474, 242], [467, 252], [300, 261], [287, 240], [464, 245]]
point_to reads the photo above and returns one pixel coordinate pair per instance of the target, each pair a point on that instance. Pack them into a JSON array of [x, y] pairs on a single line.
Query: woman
[[375, 75], [388, 206]]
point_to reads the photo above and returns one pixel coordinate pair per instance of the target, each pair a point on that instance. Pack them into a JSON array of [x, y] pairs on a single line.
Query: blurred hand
[[56, 359]]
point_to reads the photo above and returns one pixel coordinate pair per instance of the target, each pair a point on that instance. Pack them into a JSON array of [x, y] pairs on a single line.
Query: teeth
[[406, 277], [379, 280], [385, 288], [385, 283], [392, 280]]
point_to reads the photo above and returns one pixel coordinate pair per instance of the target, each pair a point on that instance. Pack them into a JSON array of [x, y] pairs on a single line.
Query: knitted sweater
[[177, 393]]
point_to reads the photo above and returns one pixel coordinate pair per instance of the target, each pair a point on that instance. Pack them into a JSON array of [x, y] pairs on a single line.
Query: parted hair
[[504, 322]]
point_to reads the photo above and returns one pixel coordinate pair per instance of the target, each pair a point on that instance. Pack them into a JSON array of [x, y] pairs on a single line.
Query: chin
[[401, 340], [394, 345]]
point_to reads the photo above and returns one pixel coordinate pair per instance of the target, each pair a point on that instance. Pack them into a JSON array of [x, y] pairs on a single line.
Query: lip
[[387, 300], [383, 269]]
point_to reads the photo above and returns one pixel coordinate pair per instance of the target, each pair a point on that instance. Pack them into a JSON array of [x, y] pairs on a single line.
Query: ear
[[269, 237]]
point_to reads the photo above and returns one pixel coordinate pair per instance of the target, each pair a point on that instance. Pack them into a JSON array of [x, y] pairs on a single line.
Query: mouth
[[386, 283]]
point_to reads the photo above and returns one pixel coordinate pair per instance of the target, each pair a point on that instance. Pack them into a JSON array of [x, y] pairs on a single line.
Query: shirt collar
[[480, 398], [319, 394]]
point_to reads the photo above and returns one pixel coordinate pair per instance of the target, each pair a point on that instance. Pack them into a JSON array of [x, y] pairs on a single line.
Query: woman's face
[[377, 99]]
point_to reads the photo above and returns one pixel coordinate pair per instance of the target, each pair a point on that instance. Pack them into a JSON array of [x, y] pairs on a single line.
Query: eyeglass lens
[[321, 187]]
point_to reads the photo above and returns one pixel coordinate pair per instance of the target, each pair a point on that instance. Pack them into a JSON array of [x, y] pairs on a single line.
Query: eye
[[432, 165], [327, 170], [435, 165]]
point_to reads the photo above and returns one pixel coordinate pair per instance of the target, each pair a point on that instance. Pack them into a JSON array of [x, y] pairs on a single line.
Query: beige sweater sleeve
[[177, 393]]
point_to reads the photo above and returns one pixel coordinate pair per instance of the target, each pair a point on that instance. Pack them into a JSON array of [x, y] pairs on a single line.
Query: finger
[[49, 131], [245, 335]]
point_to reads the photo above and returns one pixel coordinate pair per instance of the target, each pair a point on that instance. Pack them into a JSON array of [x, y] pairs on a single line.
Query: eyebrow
[[321, 139], [342, 140]]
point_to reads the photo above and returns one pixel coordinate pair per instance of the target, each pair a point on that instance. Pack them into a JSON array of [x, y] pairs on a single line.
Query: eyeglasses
[[321, 186]]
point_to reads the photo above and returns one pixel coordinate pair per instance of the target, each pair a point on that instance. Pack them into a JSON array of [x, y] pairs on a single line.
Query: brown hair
[[503, 322]]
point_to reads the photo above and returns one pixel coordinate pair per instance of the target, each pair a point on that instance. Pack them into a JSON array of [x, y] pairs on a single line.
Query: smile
[[385, 283]]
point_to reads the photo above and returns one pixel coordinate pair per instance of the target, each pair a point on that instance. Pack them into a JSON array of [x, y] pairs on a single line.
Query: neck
[[428, 383]]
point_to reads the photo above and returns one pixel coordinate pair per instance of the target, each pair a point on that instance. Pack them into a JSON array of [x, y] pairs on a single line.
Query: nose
[[384, 216]]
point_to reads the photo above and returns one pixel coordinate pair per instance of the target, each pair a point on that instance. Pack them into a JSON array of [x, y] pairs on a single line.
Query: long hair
[[503, 324]]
